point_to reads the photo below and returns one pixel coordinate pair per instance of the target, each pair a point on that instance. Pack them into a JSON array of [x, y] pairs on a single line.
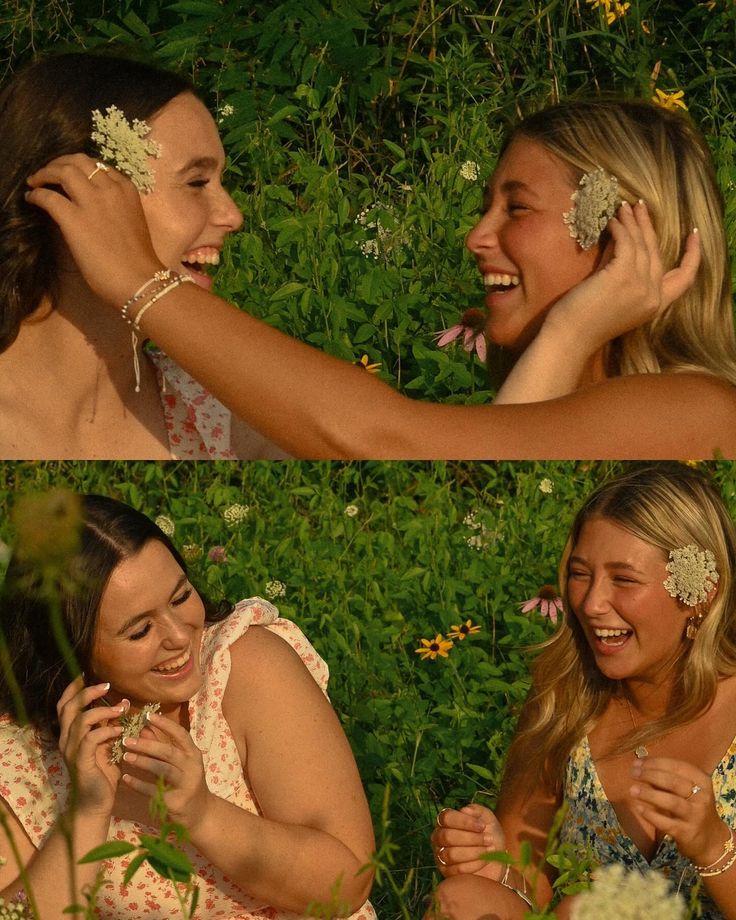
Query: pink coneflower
[[548, 601], [471, 327]]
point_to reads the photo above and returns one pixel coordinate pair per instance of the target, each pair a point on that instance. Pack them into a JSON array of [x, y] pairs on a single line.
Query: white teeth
[[203, 256], [609, 633], [493, 279], [175, 665]]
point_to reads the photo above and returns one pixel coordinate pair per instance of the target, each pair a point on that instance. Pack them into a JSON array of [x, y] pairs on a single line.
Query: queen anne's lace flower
[[693, 574], [617, 894], [165, 524], [236, 514], [470, 171], [132, 726], [124, 146], [594, 204], [275, 589]]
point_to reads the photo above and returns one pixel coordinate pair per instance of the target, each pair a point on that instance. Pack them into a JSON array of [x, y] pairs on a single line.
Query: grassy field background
[[371, 558]]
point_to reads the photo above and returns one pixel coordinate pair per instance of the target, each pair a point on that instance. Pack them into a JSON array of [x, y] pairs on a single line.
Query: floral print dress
[[34, 783], [591, 823]]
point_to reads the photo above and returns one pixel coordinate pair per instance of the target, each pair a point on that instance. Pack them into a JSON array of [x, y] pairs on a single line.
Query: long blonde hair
[[659, 156], [666, 505]]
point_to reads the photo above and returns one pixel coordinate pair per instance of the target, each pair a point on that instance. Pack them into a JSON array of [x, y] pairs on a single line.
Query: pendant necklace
[[640, 752]]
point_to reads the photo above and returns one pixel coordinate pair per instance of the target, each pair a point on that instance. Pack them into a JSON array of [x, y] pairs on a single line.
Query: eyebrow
[[626, 566], [147, 613], [198, 163]]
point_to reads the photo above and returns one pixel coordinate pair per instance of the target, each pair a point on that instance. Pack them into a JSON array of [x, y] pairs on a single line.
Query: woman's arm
[[315, 406], [629, 289], [314, 834]]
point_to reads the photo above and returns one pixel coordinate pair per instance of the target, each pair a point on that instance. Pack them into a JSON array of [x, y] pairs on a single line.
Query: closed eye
[[198, 183], [184, 596], [141, 633]]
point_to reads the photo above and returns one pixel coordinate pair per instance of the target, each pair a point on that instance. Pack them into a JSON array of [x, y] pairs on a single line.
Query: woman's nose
[[595, 601], [484, 235], [176, 634], [228, 214]]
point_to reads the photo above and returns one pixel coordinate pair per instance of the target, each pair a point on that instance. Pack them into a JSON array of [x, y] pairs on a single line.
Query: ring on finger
[[439, 817], [440, 860], [99, 167], [694, 791]]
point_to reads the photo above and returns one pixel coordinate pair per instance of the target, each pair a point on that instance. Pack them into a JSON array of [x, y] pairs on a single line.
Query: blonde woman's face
[[616, 591], [522, 236]]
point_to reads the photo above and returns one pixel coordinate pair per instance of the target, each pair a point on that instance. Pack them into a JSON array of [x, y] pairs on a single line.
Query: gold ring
[[440, 860], [99, 167], [439, 817], [694, 791]]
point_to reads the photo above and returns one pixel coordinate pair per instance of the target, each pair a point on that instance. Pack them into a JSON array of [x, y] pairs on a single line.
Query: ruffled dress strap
[[197, 424]]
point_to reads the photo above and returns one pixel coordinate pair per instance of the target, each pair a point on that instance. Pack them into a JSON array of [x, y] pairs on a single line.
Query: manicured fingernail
[[625, 204], [642, 202], [129, 757], [130, 742], [105, 686], [125, 704], [696, 230]]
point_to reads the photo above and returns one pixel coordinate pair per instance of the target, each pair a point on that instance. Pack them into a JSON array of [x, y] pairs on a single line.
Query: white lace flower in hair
[[594, 204], [132, 725], [693, 574], [618, 894], [124, 146]]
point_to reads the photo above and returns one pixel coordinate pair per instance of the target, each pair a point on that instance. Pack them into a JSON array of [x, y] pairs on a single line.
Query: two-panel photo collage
[[368, 460]]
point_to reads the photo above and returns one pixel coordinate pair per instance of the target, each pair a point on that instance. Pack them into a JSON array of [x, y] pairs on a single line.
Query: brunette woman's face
[[189, 213], [149, 631], [522, 245]]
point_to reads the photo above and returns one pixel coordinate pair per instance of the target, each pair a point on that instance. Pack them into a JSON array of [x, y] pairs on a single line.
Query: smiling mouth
[[175, 664], [495, 282], [197, 263], [612, 637]]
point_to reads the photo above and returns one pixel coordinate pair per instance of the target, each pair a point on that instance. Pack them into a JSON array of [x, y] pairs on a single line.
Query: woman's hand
[[462, 837], [677, 798], [630, 288], [85, 740], [169, 752], [101, 219]]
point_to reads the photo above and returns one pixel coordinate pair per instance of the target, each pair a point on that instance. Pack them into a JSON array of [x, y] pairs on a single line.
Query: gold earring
[[693, 623]]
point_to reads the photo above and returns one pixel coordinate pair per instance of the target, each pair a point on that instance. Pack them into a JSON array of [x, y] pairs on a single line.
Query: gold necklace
[[640, 752]]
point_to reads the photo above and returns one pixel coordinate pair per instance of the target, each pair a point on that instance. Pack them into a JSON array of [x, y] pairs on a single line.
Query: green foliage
[[330, 108], [423, 547]]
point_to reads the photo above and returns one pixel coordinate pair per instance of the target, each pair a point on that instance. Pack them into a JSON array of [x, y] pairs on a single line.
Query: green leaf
[[134, 866], [107, 851]]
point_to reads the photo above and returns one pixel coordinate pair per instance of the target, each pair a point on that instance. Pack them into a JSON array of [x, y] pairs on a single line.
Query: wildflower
[[351, 510], [471, 520], [594, 204], [225, 111], [217, 554], [124, 146], [132, 725], [369, 248], [546, 486], [617, 894], [645, 27], [235, 514], [432, 648], [669, 100], [612, 8], [464, 629], [470, 171], [472, 328], [275, 589], [548, 601], [191, 552], [165, 524], [371, 368], [693, 574]]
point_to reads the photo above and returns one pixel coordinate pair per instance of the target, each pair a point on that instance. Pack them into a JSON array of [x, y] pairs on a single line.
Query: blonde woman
[[630, 720], [618, 310]]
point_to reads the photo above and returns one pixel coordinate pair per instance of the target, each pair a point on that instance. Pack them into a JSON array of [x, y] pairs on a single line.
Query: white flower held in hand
[[132, 726]]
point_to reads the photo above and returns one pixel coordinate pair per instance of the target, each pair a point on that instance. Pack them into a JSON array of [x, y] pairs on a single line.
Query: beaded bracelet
[[728, 847], [725, 868], [162, 275], [178, 279]]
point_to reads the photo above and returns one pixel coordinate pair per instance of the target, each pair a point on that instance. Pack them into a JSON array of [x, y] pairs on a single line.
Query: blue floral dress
[[591, 823]]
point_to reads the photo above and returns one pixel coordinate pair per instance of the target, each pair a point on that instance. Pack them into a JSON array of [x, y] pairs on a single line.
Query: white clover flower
[[191, 552], [226, 111], [124, 146], [132, 725], [275, 589], [693, 574], [620, 895], [163, 522], [546, 486], [235, 514], [594, 204], [351, 510], [470, 171]]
